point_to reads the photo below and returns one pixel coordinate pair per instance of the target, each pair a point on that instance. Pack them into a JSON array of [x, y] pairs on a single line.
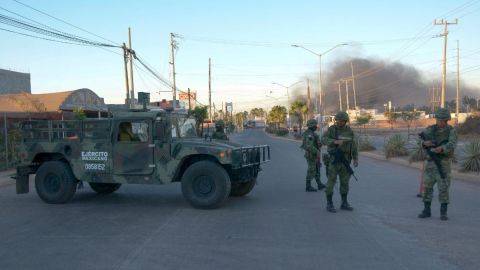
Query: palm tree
[[299, 109]]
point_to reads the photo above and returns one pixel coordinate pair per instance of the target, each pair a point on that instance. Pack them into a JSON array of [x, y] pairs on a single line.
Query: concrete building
[[12, 82]]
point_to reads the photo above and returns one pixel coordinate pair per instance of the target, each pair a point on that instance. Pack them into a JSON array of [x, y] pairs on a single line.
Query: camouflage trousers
[[432, 176], [313, 170], [341, 171]]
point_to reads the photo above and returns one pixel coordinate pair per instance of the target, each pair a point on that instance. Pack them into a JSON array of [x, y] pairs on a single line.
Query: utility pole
[[432, 98], [346, 90], [130, 53], [189, 103], [210, 89], [458, 85], [5, 131], [308, 98], [339, 95], [125, 61], [445, 24], [172, 45], [353, 85], [320, 90]]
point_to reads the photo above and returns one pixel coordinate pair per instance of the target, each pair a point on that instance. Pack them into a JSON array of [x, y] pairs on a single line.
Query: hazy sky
[[248, 42]]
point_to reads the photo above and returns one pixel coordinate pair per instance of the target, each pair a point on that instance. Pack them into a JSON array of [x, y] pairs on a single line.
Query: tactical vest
[[346, 147], [439, 136]]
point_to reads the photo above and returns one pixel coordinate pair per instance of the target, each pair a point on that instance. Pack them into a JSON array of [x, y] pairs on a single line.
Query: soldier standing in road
[[340, 139], [441, 139], [219, 133], [311, 144]]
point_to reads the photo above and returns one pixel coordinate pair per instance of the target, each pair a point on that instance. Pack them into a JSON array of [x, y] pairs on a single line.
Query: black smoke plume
[[379, 81]]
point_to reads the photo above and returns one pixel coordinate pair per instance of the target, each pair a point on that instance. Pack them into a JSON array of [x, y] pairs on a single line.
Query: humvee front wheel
[[206, 185], [55, 182], [242, 189], [105, 188]]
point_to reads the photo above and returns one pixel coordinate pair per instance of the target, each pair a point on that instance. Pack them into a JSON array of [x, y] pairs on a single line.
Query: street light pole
[[288, 99], [320, 90]]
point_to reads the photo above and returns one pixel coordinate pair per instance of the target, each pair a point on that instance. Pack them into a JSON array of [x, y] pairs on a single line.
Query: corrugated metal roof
[[52, 102]]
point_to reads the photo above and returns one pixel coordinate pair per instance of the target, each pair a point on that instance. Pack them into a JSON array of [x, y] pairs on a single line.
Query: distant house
[[56, 105]]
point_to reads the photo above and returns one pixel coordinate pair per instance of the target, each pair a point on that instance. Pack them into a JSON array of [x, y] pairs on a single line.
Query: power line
[[65, 22], [59, 41], [17, 23]]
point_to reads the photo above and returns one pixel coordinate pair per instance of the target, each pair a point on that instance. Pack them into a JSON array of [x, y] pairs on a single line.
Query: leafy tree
[[257, 112], [451, 105], [300, 110], [409, 107], [277, 115], [364, 119], [79, 114], [391, 117], [410, 118], [424, 108], [470, 103], [200, 113], [241, 118]]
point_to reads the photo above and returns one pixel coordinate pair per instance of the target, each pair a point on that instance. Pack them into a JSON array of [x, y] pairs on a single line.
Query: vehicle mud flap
[[22, 183]]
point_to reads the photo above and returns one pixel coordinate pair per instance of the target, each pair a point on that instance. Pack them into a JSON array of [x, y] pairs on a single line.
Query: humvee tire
[[105, 188], [205, 184], [242, 189], [55, 182]]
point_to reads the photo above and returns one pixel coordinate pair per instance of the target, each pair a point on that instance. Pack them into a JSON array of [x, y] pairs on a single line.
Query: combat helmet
[[443, 114], [312, 123], [341, 116]]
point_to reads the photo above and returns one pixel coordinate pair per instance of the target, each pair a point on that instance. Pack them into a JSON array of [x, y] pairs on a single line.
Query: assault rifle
[[434, 156], [339, 157]]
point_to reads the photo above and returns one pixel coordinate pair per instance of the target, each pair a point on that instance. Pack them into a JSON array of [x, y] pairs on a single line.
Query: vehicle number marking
[[95, 166]]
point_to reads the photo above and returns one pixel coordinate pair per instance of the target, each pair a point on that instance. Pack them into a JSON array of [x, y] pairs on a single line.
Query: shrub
[[270, 130], [365, 145], [281, 131], [297, 136], [471, 160], [416, 154], [471, 125], [396, 146]]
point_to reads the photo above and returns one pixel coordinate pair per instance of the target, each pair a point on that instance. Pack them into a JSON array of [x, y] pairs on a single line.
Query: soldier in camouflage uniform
[[340, 136], [441, 139], [311, 144], [219, 133]]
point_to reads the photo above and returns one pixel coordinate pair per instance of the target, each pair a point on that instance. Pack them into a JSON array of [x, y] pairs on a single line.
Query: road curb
[[281, 138], [5, 179], [456, 175]]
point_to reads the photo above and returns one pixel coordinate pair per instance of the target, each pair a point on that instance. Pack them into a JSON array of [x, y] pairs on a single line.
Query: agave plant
[[416, 154], [365, 145], [396, 146], [471, 160]]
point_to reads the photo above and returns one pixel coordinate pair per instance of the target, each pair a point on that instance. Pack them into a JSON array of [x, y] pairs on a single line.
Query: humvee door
[[133, 147]]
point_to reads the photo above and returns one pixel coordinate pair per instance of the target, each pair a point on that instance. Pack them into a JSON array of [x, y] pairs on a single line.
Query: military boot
[[330, 207], [309, 188], [345, 205], [320, 185], [426, 210], [443, 211]]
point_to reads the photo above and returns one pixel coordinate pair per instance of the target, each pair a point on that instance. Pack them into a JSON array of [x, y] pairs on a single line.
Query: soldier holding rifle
[[439, 142], [342, 149]]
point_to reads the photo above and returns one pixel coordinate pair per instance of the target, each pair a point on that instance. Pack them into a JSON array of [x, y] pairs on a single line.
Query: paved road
[[277, 226]]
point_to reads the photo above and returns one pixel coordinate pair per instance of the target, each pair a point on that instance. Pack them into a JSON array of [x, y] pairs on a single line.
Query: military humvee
[[135, 147]]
